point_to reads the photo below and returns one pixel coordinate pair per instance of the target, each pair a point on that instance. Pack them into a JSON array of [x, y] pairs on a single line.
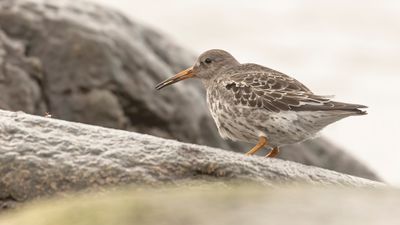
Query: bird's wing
[[256, 86]]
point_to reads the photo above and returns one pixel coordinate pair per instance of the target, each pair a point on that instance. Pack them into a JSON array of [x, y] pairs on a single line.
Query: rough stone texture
[[41, 156], [215, 205], [85, 63]]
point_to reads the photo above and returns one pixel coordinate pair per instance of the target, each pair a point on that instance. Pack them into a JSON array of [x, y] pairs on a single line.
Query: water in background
[[347, 48]]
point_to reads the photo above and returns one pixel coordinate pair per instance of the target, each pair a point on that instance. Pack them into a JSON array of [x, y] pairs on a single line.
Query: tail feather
[[356, 108]]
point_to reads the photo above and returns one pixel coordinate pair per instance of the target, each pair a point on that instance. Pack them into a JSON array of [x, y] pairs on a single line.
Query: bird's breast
[[229, 118]]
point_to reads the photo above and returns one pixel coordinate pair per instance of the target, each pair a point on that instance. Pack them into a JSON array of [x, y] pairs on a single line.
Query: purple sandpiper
[[256, 104]]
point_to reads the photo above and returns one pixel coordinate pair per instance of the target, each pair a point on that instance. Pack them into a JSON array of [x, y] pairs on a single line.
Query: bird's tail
[[353, 109]]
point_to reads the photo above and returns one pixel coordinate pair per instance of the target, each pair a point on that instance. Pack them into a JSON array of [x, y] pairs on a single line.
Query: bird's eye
[[208, 60]]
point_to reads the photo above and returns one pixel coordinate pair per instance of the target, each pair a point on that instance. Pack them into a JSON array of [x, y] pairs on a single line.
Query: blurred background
[[350, 49], [89, 63], [98, 62]]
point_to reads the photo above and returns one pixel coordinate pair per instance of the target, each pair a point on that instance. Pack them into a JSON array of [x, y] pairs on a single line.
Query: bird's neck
[[211, 79], [208, 82]]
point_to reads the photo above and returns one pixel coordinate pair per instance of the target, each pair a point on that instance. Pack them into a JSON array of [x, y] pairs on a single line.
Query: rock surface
[[215, 205], [42, 156], [84, 63]]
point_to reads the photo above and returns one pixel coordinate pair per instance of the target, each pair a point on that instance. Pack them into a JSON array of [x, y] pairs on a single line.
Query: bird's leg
[[261, 143], [274, 152]]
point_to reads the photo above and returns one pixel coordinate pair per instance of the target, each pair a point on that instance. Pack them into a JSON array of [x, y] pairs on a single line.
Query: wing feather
[[256, 86]]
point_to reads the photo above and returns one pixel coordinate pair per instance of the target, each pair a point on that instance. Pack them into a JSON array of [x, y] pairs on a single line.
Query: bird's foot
[[261, 143], [274, 152]]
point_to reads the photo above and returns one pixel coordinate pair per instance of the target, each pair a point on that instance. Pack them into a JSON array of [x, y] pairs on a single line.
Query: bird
[[255, 104]]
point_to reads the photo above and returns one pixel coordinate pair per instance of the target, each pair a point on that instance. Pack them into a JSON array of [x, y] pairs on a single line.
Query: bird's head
[[208, 65]]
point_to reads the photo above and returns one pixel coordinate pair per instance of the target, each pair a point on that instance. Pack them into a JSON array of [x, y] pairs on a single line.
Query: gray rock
[[41, 156], [84, 63]]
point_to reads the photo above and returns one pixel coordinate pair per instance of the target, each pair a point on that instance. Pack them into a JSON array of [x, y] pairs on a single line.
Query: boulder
[[41, 156], [85, 63]]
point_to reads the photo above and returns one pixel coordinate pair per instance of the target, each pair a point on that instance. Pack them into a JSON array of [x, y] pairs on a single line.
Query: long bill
[[185, 74]]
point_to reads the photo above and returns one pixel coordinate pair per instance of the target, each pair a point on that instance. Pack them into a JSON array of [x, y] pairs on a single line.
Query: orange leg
[[274, 152], [261, 143]]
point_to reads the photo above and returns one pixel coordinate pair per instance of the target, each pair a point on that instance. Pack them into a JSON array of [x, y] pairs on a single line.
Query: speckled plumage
[[249, 101]]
